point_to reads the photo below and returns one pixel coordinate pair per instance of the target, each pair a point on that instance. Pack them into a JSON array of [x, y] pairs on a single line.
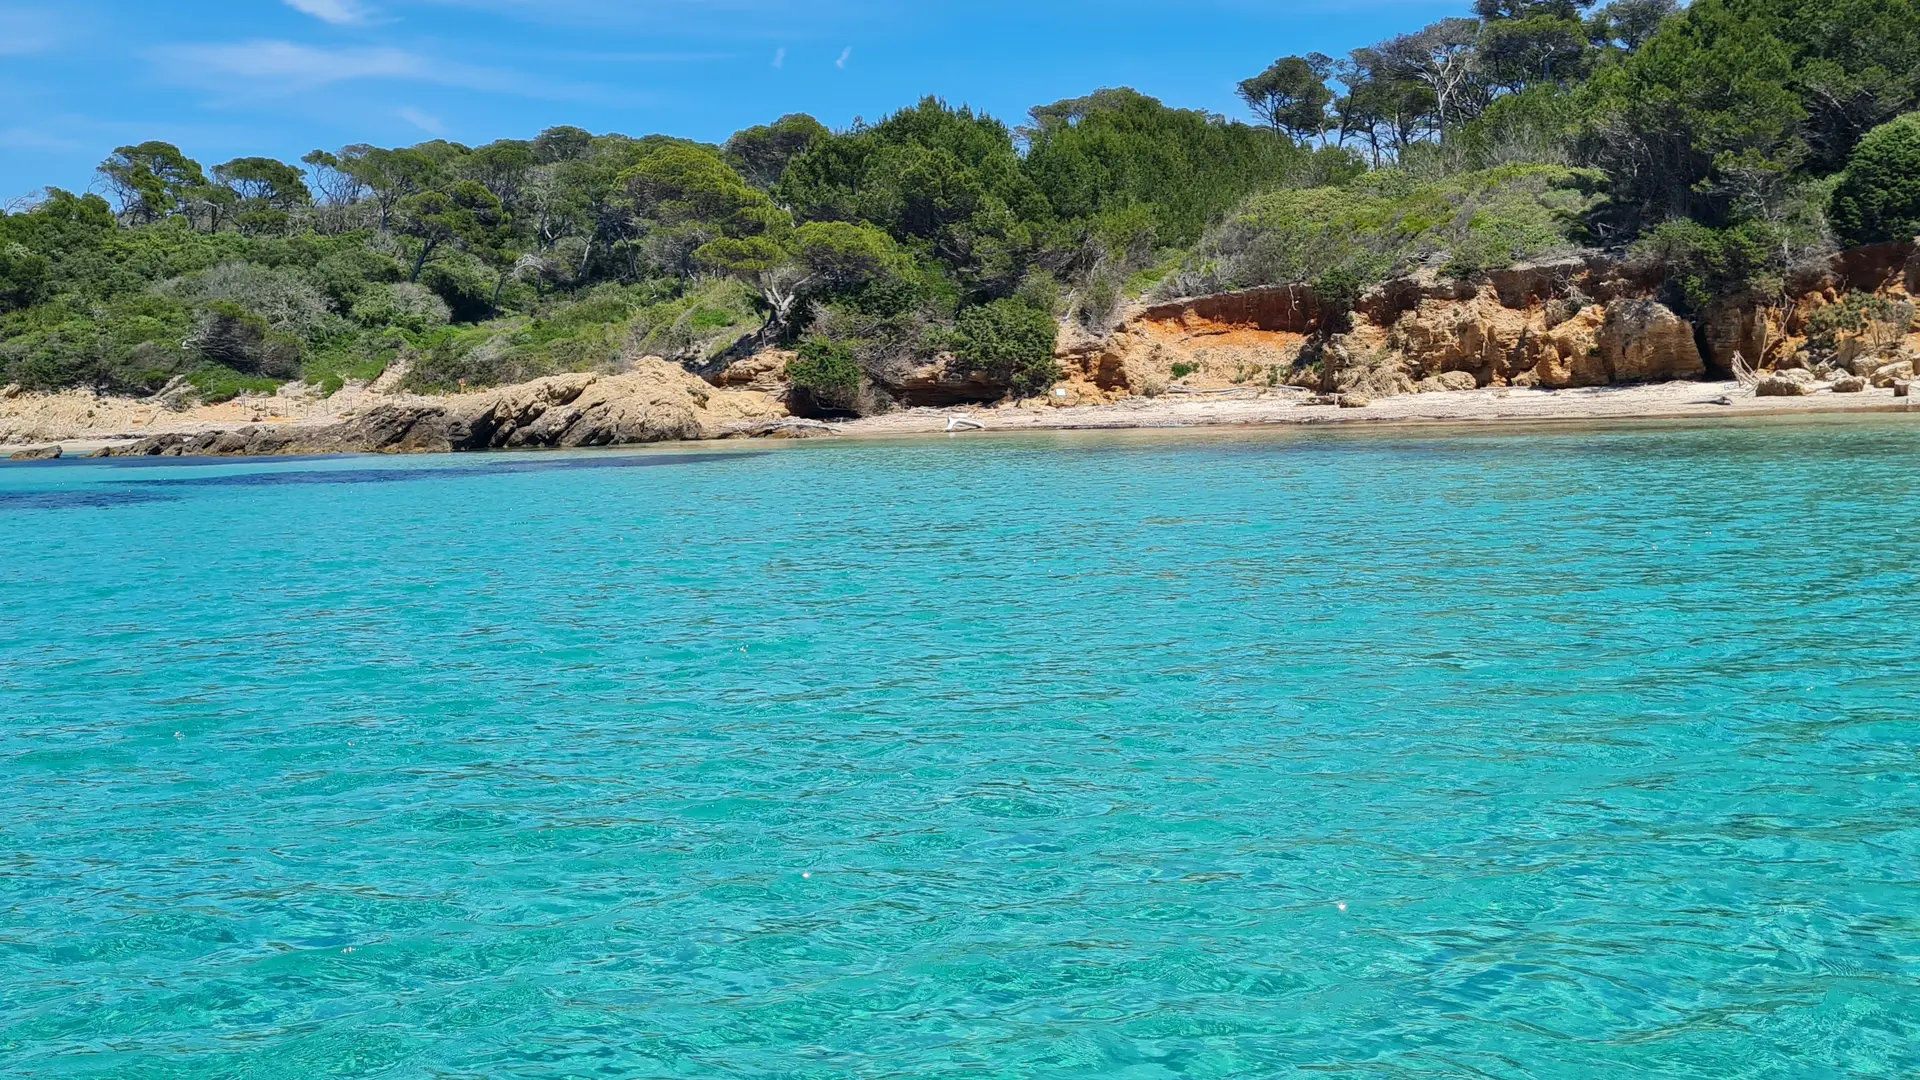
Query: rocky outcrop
[[1888, 374], [654, 402], [765, 372], [1796, 382], [1402, 338], [399, 428], [1447, 381], [1642, 341], [939, 383], [36, 453], [657, 403], [1589, 321]]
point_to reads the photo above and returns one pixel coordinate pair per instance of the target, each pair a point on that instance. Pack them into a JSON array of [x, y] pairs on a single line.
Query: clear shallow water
[[518, 766]]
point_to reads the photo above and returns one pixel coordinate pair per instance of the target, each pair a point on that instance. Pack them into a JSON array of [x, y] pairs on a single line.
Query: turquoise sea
[[1561, 753]]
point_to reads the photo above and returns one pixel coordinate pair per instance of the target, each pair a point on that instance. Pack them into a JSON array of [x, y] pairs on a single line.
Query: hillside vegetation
[[1730, 140]]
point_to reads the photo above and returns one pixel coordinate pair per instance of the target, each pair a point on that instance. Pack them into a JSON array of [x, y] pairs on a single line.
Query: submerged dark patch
[[77, 500], [401, 475]]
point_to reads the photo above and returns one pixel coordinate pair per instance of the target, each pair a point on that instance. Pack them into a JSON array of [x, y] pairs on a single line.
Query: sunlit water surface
[[1563, 754]]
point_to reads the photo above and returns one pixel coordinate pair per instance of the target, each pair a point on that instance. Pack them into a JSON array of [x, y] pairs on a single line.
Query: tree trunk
[[420, 263]]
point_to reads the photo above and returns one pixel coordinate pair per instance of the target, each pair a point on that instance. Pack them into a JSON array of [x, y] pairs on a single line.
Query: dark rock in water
[[38, 453], [406, 428], [398, 429], [779, 428], [656, 402]]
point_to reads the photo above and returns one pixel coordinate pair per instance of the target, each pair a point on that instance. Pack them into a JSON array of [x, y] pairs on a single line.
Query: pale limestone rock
[[1887, 374], [1643, 341], [1448, 380], [1783, 384]]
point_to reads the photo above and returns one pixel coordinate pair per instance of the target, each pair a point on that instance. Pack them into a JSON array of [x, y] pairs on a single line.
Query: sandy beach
[[1671, 400]]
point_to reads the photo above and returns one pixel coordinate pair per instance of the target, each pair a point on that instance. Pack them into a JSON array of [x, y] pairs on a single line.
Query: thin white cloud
[[23, 33], [780, 58], [19, 138], [845, 55], [284, 68], [337, 12], [426, 122]]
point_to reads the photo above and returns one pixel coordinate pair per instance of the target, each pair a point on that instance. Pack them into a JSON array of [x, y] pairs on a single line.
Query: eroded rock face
[[1585, 321], [942, 382], [1476, 336], [1438, 335], [1757, 334], [763, 371], [1293, 309], [1642, 341], [1570, 353]]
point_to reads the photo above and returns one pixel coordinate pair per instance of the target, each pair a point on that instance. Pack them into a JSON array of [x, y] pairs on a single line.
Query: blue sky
[[227, 78]]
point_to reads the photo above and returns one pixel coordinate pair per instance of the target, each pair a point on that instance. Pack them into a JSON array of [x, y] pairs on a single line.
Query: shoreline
[[1685, 400], [1489, 407]]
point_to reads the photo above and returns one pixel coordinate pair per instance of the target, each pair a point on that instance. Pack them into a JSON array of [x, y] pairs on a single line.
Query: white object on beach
[[964, 423]]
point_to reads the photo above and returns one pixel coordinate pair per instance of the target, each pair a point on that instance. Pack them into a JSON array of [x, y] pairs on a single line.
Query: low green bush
[[1703, 263], [216, 384], [1878, 321], [1390, 222], [828, 372], [1010, 341]]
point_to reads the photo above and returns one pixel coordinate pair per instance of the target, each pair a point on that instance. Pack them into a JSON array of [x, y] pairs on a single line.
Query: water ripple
[[1394, 755]]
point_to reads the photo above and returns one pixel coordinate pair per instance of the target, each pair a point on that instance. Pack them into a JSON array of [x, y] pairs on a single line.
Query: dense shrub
[[23, 276], [1703, 264], [403, 305], [1878, 197], [453, 359], [827, 372], [130, 344], [234, 338], [1878, 322], [287, 300], [1010, 341]]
